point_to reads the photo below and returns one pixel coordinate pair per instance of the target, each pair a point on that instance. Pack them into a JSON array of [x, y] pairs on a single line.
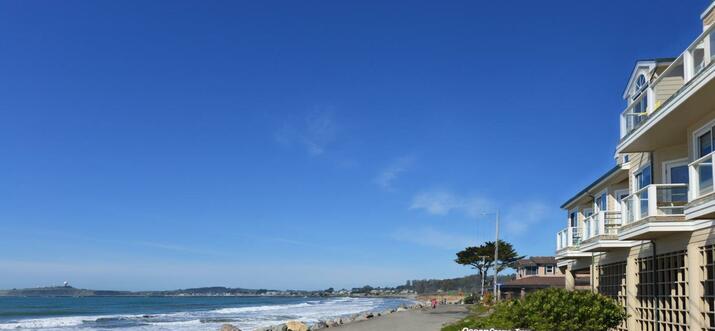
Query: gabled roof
[[535, 260], [650, 64]]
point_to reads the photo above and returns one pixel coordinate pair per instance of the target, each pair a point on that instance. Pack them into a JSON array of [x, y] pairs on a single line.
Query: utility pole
[[481, 288], [496, 258]]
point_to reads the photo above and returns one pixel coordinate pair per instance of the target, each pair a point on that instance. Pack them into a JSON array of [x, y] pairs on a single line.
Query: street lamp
[[496, 252]]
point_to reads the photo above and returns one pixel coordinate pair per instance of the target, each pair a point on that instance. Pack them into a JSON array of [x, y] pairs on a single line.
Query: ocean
[[176, 313]]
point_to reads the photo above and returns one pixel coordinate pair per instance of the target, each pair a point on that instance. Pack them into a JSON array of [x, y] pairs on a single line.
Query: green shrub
[[470, 299], [553, 309]]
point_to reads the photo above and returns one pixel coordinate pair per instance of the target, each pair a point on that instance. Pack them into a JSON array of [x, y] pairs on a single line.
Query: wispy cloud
[[520, 217], [516, 218], [386, 177], [314, 132], [431, 237], [444, 202]]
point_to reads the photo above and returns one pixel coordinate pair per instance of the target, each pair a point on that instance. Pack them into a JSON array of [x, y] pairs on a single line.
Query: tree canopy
[[482, 257]]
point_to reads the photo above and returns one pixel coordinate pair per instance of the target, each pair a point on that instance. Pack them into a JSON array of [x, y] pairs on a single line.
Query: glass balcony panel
[[672, 200], [644, 204], [705, 178]]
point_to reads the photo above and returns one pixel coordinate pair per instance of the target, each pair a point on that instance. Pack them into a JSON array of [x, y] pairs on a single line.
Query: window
[[549, 269], [573, 218], [643, 178], [641, 84], [705, 144], [602, 202], [640, 106], [587, 212], [531, 270]]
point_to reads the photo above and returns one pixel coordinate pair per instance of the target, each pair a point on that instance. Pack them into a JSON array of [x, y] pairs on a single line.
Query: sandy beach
[[424, 319]]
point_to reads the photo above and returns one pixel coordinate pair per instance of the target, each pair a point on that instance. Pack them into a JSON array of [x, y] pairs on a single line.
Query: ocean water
[[176, 313]]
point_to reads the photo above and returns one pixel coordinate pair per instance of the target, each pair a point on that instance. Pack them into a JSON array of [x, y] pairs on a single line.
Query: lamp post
[[496, 257], [496, 253]]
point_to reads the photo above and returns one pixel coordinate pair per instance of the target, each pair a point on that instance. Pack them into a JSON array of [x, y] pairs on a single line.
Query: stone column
[[570, 279]]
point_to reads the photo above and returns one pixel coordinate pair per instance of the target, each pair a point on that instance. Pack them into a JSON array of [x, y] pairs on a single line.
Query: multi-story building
[[537, 266], [643, 232], [533, 273]]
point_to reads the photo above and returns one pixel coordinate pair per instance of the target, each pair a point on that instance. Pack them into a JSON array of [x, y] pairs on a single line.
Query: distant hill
[[69, 291], [58, 291]]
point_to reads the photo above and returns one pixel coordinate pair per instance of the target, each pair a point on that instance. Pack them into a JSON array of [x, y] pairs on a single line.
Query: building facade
[[534, 273], [643, 232]]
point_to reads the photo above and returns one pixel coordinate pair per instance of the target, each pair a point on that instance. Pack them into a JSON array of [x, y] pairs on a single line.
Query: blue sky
[[153, 145]]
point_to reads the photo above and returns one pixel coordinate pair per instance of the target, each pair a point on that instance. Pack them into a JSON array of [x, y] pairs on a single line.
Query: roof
[[536, 260], [650, 63], [536, 282], [604, 177]]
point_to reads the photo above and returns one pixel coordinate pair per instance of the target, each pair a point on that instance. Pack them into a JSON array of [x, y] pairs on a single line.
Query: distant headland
[[466, 284]]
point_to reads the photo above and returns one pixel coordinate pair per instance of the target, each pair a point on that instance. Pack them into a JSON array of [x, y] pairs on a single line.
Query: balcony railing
[[601, 223], [686, 67], [568, 237], [701, 176], [655, 200]]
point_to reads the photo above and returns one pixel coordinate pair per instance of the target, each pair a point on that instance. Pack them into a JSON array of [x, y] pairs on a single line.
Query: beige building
[[643, 232]]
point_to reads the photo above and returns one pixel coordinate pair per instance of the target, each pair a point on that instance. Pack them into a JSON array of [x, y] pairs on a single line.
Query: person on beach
[[434, 303]]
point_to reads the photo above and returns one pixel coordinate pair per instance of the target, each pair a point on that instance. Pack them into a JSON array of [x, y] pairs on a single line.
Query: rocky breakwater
[[330, 323]]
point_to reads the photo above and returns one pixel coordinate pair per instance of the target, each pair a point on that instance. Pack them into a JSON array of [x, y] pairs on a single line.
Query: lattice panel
[[669, 286], [707, 270], [612, 283]]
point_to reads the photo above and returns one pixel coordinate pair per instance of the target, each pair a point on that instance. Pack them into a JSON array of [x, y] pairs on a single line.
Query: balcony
[[568, 241], [678, 97], [702, 199], [601, 232], [654, 211]]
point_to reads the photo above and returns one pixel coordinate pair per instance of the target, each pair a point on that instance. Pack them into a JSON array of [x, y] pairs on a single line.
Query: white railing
[[601, 223], [701, 176], [568, 237], [686, 67], [655, 200]]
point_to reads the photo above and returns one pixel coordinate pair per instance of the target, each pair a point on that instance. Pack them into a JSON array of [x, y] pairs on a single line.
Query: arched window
[[641, 84]]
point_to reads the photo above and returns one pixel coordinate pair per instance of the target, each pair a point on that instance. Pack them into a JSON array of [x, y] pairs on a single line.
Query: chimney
[[708, 16]]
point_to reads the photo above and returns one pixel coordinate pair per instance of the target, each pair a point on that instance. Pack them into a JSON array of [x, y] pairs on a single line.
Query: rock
[[333, 323], [369, 315], [281, 327], [296, 326], [319, 325], [229, 327]]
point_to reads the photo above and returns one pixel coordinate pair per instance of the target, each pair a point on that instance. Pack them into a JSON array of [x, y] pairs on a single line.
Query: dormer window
[[641, 85]]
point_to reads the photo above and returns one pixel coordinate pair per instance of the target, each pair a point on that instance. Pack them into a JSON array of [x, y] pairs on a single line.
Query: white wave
[[258, 308], [246, 318], [45, 323]]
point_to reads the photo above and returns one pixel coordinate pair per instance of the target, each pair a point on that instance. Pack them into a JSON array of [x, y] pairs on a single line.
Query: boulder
[[333, 323], [229, 327], [296, 326]]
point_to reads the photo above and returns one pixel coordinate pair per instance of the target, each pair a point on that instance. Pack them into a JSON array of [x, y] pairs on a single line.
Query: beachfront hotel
[[643, 232]]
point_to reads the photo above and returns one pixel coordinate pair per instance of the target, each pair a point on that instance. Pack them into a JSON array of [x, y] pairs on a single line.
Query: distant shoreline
[[68, 291]]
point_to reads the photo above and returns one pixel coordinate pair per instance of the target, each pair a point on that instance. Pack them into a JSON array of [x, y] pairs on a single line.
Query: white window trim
[[696, 134], [634, 187], [595, 207], [616, 193], [571, 211], [672, 163]]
